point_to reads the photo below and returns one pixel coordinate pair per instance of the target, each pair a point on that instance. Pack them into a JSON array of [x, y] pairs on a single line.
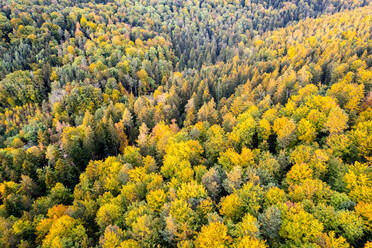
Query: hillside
[[185, 123]]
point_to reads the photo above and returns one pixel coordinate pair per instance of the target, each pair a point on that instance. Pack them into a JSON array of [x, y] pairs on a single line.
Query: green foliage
[[140, 123], [19, 88]]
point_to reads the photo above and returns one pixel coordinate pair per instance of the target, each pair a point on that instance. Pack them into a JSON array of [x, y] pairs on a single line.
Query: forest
[[185, 123]]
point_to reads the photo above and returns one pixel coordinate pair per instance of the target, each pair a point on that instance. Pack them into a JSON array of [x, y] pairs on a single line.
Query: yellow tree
[[300, 226], [358, 182], [331, 241], [250, 242], [232, 207], [285, 129], [156, 199], [336, 121], [306, 131], [213, 235], [247, 227], [66, 232]]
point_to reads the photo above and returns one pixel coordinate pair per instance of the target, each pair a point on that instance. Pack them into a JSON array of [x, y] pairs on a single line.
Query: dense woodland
[[170, 123]]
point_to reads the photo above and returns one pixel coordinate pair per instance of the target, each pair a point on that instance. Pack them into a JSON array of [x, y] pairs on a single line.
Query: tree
[[208, 112], [300, 226], [357, 182], [273, 196], [299, 173], [111, 237], [242, 134], [66, 232], [156, 199], [212, 182], [108, 214], [7, 238], [230, 158], [350, 225], [348, 95], [232, 207], [361, 140], [77, 143], [180, 223], [191, 190], [213, 235], [252, 196], [20, 88], [250, 242], [364, 210], [179, 156], [336, 121], [270, 222], [306, 132], [285, 129], [215, 143], [314, 190], [247, 227], [59, 194], [330, 240]]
